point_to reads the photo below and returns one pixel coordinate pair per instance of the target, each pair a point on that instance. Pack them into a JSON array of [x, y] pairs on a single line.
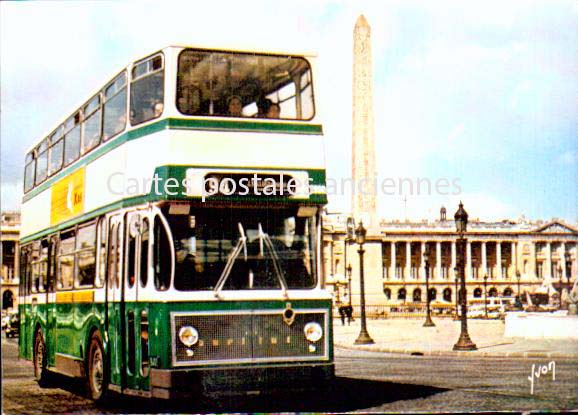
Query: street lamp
[[461, 218], [349, 282], [428, 321], [456, 273], [518, 278], [486, 295], [350, 230], [363, 337]]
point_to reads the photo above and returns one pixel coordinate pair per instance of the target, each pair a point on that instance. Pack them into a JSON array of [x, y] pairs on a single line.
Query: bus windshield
[[254, 248], [244, 85]]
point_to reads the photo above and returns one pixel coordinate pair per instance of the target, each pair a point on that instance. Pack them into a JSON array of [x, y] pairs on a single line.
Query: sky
[[482, 96]]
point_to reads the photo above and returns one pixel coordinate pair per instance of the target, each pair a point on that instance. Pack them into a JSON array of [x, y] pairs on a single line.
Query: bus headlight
[[313, 331], [188, 335]]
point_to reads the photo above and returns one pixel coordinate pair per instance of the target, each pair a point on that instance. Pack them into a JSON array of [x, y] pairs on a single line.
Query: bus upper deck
[[182, 114]]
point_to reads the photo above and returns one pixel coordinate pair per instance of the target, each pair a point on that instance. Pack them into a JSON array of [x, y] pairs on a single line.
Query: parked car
[[494, 306], [13, 327]]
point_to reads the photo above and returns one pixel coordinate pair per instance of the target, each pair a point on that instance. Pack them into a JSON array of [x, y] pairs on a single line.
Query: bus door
[[51, 301], [113, 314], [135, 313]]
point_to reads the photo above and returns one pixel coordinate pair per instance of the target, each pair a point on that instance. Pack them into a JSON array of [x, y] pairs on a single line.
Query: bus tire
[[40, 371], [96, 377]]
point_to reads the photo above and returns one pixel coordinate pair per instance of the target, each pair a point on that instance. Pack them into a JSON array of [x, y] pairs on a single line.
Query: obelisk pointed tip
[[361, 21]]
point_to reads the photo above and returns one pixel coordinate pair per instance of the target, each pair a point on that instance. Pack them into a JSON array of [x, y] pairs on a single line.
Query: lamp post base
[[465, 343], [364, 338], [428, 322]]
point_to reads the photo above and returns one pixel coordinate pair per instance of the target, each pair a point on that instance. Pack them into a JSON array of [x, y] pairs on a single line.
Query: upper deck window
[[72, 139], [29, 171], [244, 85], [92, 124], [147, 90], [114, 107], [56, 151], [42, 162]]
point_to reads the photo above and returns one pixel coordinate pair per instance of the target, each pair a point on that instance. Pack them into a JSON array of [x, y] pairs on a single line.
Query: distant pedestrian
[[342, 314], [349, 314]]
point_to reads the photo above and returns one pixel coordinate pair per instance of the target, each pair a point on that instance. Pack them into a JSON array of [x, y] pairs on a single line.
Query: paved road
[[366, 382]]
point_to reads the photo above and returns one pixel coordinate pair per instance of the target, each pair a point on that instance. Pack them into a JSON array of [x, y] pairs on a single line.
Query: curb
[[413, 352]]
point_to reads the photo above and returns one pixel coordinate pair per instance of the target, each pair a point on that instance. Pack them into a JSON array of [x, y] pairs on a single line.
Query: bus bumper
[[180, 383]]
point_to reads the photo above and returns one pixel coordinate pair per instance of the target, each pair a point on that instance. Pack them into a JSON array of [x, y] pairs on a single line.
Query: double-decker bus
[[171, 232]]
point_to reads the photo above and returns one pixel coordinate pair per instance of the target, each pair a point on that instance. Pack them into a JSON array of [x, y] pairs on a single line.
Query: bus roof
[[229, 48]]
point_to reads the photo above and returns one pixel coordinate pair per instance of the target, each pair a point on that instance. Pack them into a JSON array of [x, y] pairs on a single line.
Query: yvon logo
[[67, 197]]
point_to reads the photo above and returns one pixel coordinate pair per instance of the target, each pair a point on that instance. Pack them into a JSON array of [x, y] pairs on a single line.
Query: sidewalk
[[408, 336]]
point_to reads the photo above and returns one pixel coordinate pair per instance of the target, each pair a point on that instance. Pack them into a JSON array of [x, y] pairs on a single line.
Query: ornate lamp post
[[363, 337], [486, 295], [461, 218], [349, 282], [518, 278], [350, 230], [457, 273], [428, 321]]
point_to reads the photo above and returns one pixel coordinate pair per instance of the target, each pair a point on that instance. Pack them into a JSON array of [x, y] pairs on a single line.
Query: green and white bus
[[171, 232]]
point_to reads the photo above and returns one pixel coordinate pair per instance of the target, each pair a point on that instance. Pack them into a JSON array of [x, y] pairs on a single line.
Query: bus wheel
[[40, 372], [96, 374]]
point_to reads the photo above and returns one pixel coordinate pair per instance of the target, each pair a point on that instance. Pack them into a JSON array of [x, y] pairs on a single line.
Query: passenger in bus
[[235, 106], [158, 109], [274, 111]]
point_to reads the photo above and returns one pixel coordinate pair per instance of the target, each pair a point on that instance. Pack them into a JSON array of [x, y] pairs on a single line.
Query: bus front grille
[[258, 336]]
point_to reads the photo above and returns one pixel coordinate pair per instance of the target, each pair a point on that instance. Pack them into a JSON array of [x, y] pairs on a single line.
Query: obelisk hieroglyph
[[363, 139]]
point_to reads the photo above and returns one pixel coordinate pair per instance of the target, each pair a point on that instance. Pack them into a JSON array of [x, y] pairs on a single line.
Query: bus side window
[[35, 262], [131, 259], [29, 171], [102, 243], [42, 162], [147, 90], [114, 108], [144, 252], [161, 257], [56, 151], [86, 256], [66, 260], [24, 271], [112, 252], [52, 256], [72, 139], [91, 127], [43, 265]]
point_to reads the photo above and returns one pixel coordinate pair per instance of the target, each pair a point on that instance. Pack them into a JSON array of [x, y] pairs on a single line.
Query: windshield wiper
[[241, 244], [265, 237]]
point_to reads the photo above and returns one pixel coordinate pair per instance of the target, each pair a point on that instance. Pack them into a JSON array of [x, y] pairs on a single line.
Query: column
[[533, 272], [421, 261], [499, 258], [484, 260], [438, 259], [563, 261], [514, 258], [393, 265], [454, 263], [408, 260], [469, 260], [548, 270]]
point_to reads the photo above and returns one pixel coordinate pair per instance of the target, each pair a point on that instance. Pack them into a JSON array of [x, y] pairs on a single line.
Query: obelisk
[[363, 139]]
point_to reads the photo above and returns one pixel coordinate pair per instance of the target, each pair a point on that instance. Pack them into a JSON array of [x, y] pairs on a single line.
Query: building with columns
[[508, 256], [9, 236]]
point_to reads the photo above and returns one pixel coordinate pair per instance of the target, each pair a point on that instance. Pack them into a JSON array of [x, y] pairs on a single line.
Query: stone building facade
[[9, 236], [513, 256]]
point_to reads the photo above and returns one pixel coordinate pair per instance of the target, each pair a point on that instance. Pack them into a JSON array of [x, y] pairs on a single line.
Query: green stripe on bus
[[178, 124]]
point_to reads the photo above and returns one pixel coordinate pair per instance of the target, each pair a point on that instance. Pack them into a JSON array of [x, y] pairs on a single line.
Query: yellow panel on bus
[[67, 197]]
